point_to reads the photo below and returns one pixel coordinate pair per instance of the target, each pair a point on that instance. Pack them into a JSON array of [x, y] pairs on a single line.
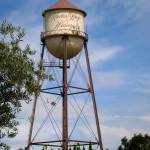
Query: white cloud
[[118, 133], [111, 136], [109, 118], [143, 90], [119, 12], [100, 51], [137, 10], [109, 80], [140, 82], [113, 131], [91, 21], [145, 118], [104, 54], [136, 83], [131, 11], [33, 36]]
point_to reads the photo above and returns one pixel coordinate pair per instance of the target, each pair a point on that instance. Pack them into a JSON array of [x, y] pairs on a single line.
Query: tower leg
[[93, 96], [35, 102], [64, 95]]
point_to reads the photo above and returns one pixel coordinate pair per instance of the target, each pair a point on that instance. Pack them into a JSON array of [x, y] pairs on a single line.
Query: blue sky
[[119, 50]]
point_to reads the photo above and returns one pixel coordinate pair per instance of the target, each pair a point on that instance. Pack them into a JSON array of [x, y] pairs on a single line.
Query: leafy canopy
[[17, 78], [137, 142]]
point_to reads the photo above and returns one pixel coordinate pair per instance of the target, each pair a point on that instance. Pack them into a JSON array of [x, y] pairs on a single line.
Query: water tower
[[64, 37]]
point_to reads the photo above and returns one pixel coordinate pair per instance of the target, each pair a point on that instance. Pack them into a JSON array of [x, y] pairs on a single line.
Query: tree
[[74, 147], [17, 78], [137, 142], [83, 148], [78, 146], [90, 146]]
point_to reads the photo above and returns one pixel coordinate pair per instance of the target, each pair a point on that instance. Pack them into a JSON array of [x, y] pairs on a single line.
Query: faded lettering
[[63, 20]]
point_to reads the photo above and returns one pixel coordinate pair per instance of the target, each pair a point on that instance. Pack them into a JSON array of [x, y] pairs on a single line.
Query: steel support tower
[[66, 142]]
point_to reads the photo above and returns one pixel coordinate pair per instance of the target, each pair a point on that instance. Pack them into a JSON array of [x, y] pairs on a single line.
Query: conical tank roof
[[64, 4]]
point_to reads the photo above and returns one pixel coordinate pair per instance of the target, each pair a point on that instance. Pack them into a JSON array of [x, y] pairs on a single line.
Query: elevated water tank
[[64, 18]]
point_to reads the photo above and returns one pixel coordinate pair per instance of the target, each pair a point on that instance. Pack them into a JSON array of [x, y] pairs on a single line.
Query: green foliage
[[137, 142], [23, 148], [90, 146], [78, 146], [74, 147], [4, 146], [17, 78], [46, 147]]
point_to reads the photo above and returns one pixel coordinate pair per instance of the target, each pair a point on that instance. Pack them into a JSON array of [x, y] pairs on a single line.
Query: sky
[[119, 53]]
